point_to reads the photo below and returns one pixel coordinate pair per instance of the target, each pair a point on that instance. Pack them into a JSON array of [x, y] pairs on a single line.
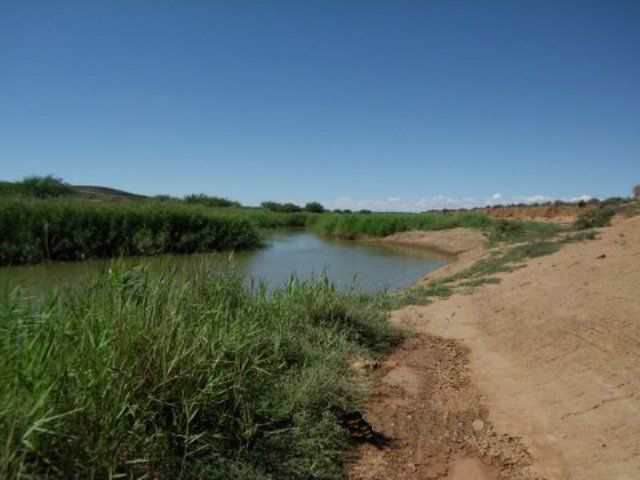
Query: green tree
[[314, 207], [43, 187]]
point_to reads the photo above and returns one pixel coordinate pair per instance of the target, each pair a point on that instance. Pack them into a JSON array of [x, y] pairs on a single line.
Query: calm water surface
[[364, 266]]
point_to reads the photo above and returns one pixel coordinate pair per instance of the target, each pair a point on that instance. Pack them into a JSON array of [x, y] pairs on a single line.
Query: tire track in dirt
[[425, 400]]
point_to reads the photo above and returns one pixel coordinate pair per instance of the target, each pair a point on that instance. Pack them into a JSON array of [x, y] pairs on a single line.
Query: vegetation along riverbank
[[136, 374], [43, 218], [161, 375]]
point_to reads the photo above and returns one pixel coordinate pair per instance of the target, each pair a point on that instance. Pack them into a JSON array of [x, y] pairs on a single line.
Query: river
[[366, 266]]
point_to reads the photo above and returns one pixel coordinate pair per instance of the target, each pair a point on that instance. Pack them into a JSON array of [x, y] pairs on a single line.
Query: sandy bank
[[545, 364], [463, 246]]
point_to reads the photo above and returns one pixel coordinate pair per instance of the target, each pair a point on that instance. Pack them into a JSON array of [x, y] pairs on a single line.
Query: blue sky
[[378, 104]]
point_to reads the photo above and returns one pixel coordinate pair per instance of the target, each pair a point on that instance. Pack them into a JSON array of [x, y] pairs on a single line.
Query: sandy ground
[[535, 377]]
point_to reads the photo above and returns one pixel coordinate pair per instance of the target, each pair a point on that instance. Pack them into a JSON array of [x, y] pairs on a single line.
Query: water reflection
[[370, 267]]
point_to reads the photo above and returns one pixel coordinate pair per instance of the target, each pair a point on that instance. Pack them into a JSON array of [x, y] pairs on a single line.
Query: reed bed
[[67, 229], [134, 375], [351, 226]]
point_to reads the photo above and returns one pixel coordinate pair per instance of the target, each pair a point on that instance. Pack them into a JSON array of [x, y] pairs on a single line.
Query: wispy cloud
[[399, 204]]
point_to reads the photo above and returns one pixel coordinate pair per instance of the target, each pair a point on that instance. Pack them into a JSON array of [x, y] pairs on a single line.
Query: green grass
[[531, 250], [66, 229], [480, 272], [504, 262], [502, 230], [598, 217], [43, 218], [351, 226], [532, 240], [476, 282], [268, 220], [163, 376], [354, 225], [421, 294]]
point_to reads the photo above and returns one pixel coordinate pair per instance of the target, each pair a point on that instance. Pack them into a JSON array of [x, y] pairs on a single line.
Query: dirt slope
[[546, 363]]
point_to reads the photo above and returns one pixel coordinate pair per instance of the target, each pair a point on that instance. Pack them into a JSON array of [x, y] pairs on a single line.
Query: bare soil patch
[[563, 214], [425, 400]]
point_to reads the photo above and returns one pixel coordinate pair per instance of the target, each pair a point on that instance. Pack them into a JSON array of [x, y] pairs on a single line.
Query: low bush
[[314, 207], [36, 186], [597, 217]]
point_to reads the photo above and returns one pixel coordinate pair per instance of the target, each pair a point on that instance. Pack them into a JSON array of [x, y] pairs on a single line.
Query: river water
[[365, 266]]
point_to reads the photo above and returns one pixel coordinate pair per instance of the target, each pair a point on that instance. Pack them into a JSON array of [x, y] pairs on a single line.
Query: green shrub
[[314, 207], [162, 376], [36, 186], [503, 230], [202, 199], [598, 217]]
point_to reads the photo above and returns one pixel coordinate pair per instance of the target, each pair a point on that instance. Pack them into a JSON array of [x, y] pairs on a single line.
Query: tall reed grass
[[65, 229], [353, 225], [136, 375], [350, 226]]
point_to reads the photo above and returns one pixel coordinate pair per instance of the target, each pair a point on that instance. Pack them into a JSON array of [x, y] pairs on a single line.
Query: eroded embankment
[[534, 377]]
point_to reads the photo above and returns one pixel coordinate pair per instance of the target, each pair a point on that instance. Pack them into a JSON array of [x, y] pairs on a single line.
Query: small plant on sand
[[600, 217], [479, 281], [422, 293], [503, 230]]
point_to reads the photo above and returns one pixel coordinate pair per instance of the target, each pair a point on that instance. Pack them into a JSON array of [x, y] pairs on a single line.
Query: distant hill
[[105, 191]]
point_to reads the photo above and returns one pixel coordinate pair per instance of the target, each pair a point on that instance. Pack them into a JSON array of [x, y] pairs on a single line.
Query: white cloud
[[438, 202]]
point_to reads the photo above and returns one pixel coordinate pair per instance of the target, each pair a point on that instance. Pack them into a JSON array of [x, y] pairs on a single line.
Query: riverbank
[[533, 374]]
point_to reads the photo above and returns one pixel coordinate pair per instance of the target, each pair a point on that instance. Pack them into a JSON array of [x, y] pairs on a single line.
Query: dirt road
[[535, 377]]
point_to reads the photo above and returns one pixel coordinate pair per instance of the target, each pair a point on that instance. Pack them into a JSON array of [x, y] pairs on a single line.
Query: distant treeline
[[44, 218], [50, 186], [35, 186], [313, 207], [610, 201]]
